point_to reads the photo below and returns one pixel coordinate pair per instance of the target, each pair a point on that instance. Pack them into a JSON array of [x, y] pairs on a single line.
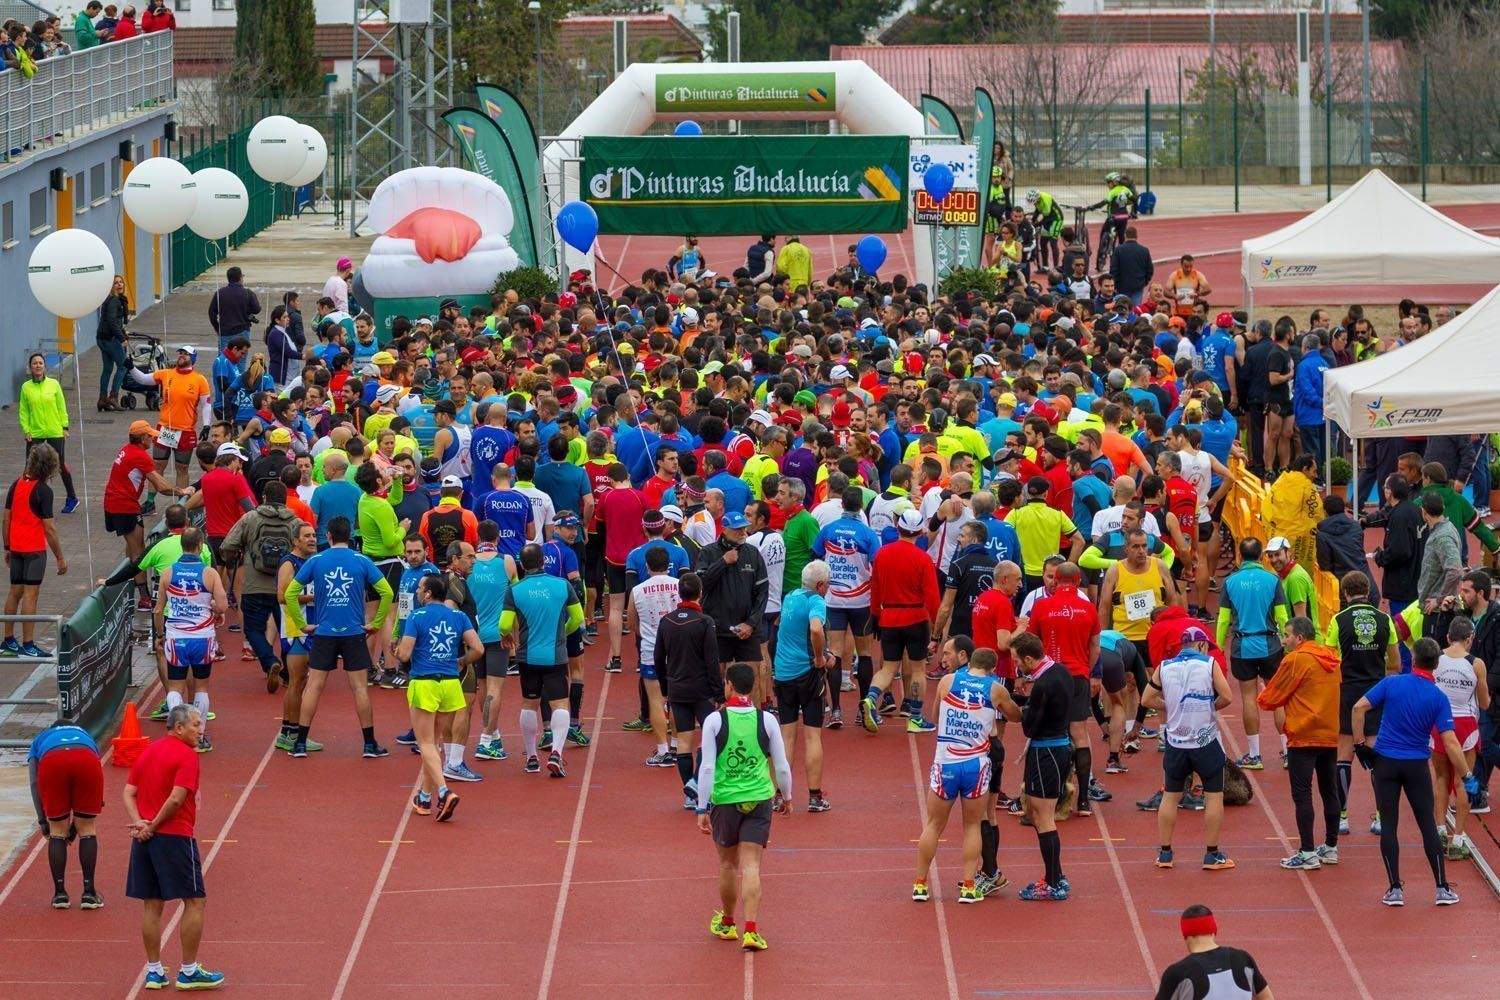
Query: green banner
[[748, 184], [489, 154], [93, 664], [515, 125], [939, 119], [746, 93], [984, 138], [388, 309]]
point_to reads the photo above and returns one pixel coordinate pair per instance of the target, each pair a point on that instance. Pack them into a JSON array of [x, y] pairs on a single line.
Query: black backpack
[[271, 543]]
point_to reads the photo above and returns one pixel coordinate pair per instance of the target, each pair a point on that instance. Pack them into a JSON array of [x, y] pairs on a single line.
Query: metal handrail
[[41, 668], [82, 90]]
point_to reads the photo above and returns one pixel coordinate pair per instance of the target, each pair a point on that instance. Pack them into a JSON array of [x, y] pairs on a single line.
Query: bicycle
[[1107, 243], [1081, 229]]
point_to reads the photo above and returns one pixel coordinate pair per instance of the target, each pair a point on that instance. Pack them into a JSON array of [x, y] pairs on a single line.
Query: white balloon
[[222, 203], [159, 195], [317, 157], [276, 149], [71, 272]]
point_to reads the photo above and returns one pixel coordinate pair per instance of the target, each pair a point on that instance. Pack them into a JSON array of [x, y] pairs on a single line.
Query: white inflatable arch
[[864, 103]]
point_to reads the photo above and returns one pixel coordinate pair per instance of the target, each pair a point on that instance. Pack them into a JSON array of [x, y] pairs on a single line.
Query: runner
[[28, 532], [130, 472], [489, 582], [1253, 609], [559, 556], [1045, 721], [1210, 971], [190, 604], [801, 651], [847, 546], [294, 643], [185, 393], [622, 512], [742, 751], [1068, 625], [541, 610], [652, 600], [687, 652], [1365, 639], [905, 598], [1462, 677], [67, 783]]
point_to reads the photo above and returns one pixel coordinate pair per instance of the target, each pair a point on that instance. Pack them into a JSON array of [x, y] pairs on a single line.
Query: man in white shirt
[[651, 600], [945, 513], [543, 513], [832, 509], [337, 285], [1113, 518], [701, 525]]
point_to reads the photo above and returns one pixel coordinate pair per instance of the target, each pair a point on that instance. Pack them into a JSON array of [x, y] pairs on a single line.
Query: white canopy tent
[[1374, 233], [1444, 383]]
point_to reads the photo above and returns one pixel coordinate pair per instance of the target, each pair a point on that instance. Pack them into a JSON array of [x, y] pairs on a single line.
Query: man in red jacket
[[1068, 625], [158, 17], [125, 27], [904, 597]]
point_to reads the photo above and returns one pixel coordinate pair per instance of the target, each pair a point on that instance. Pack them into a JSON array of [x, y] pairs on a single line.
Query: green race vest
[[742, 773]]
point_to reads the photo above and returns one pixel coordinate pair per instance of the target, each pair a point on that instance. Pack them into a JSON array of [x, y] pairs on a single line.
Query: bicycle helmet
[[1032, 194], [1113, 177]]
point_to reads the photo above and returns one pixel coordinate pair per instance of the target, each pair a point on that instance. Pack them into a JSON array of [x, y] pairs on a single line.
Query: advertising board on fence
[[961, 205], [746, 185], [93, 669]]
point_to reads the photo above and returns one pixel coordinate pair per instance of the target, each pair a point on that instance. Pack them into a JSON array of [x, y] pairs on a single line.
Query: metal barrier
[[84, 89], [41, 667]]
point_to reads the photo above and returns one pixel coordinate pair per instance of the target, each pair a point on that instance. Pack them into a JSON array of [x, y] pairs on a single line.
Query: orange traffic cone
[[129, 744]]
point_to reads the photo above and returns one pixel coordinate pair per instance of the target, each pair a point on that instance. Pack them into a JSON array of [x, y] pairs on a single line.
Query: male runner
[[801, 650], [1045, 722], [1253, 609], [652, 600], [67, 783], [1068, 626], [1366, 641], [560, 558], [1210, 971], [905, 598], [189, 604], [541, 609], [687, 654], [847, 547], [293, 641], [489, 581]]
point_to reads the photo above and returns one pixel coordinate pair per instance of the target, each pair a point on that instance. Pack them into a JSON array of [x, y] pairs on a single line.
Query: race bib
[[168, 438], [1140, 604], [403, 609]]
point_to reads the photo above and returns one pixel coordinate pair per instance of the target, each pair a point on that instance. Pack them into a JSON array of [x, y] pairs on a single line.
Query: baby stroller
[[146, 356]]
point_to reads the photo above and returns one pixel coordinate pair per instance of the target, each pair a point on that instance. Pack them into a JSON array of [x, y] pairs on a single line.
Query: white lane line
[[1135, 916], [934, 879]]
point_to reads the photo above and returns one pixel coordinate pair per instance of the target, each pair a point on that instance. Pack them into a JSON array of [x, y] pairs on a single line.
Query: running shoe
[[555, 765], [1302, 861], [1344, 823], [247, 655], [284, 741], [867, 716], [577, 736], [545, 741], [689, 801], [969, 893], [1327, 855], [907, 710], [374, 751], [1375, 824], [1250, 762], [1040, 891], [204, 743], [1394, 897], [847, 684], [752, 941], [70, 505], [836, 720], [1446, 896], [1147, 733], [1150, 804], [446, 803], [408, 738], [386, 679], [888, 704], [10, 647], [1192, 802], [156, 980], [60, 901], [917, 724], [1459, 850], [1097, 792], [461, 772], [1116, 766], [91, 900], [299, 749], [421, 804], [1003, 801], [1217, 861], [1014, 807], [919, 893], [721, 930], [145, 603], [990, 884], [491, 750], [400, 681], [201, 979], [35, 652], [818, 804], [1131, 746], [220, 656], [533, 765], [1164, 859], [148, 507], [1063, 885], [636, 726], [614, 666], [665, 758], [1479, 804]]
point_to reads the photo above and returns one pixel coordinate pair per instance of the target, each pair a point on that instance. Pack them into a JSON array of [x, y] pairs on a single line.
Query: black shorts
[[909, 641], [746, 823], [1349, 693], [1111, 671], [1206, 530], [802, 698], [996, 754], [167, 866], [121, 524], [325, 650], [575, 642], [1080, 707], [1179, 764], [550, 683], [1046, 772], [689, 715], [733, 649], [856, 620], [27, 568], [215, 549], [614, 578], [1250, 668], [1278, 408], [494, 663]]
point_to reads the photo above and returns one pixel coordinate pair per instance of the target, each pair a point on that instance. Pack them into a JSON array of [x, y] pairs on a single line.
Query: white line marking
[[750, 965], [1135, 916], [934, 879], [567, 876]]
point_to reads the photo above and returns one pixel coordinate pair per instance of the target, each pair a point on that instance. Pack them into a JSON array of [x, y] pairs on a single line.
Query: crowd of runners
[[802, 513]]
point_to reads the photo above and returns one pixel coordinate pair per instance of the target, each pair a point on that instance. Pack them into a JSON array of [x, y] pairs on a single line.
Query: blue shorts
[[648, 672], [182, 654], [961, 779], [294, 647], [165, 867], [856, 620]]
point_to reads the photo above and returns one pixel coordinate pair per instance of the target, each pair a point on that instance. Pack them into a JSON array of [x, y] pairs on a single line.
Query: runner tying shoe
[[67, 782]]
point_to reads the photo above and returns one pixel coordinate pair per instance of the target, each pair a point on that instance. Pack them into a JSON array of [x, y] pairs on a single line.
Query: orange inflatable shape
[[439, 233]]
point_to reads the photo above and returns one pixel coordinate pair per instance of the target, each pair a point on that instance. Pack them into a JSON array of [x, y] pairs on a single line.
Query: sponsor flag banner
[[747, 185], [740, 94], [515, 126], [960, 207], [487, 152], [971, 238], [939, 119]]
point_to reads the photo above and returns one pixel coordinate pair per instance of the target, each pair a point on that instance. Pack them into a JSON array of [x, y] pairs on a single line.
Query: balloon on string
[[688, 128], [578, 224], [159, 195], [870, 252], [937, 181], [317, 157], [276, 149], [222, 203], [71, 272]]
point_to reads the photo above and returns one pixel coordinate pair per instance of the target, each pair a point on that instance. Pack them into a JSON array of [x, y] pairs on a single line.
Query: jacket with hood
[[1400, 556], [1307, 686], [1164, 640], [1341, 549], [734, 592], [244, 538]]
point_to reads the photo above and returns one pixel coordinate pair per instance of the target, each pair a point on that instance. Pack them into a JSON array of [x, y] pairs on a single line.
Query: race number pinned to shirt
[[1139, 605], [168, 437], [403, 610]]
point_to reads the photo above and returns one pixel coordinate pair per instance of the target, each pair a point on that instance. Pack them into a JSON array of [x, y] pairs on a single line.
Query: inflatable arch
[[863, 102]]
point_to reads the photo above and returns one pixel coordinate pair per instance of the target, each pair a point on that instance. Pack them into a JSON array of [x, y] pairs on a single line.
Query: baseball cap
[[839, 373], [672, 512], [761, 417], [910, 521], [421, 320], [452, 483], [689, 316], [279, 435], [1007, 399], [802, 351], [1277, 544], [735, 521], [187, 349], [344, 264], [383, 358], [1177, 323], [568, 519], [841, 414], [230, 448], [449, 303], [625, 348], [386, 393], [712, 368], [805, 398], [473, 355], [1224, 320], [141, 427], [1193, 634], [983, 359]]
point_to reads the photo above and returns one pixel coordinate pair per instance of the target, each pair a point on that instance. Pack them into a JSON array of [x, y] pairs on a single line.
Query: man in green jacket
[[1459, 511], [84, 35], [43, 413]]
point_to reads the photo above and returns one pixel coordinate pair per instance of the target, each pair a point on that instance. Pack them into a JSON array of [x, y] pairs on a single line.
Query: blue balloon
[[870, 252], [688, 128], [938, 181], [578, 224]]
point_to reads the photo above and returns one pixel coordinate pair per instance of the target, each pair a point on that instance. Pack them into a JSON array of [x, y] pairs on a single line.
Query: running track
[[323, 884], [1213, 239]]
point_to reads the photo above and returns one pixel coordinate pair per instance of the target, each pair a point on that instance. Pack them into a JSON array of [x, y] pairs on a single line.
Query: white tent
[[1374, 233]]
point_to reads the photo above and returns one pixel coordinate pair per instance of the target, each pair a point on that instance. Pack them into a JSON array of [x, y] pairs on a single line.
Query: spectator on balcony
[[158, 17], [85, 35], [105, 26], [126, 27]]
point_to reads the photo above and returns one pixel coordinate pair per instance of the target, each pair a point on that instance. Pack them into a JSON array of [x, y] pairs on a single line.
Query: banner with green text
[[747, 93], [743, 185]]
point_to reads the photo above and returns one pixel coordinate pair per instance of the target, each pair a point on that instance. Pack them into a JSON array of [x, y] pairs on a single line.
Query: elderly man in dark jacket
[[1400, 555], [1341, 544], [233, 308], [1130, 265]]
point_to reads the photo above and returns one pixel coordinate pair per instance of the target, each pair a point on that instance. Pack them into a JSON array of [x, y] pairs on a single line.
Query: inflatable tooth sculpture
[[443, 233]]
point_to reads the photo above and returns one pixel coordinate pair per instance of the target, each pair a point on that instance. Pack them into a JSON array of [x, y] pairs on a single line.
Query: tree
[[274, 49], [1457, 50], [1405, 19], [773, 31], [966, 22], [494, 41]]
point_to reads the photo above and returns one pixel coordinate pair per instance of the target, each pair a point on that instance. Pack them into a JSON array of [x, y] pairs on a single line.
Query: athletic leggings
[[1393, 777], [59, 446], [1302, 763]]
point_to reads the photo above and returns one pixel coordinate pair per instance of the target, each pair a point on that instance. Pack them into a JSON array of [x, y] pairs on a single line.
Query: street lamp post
[[536, 10]]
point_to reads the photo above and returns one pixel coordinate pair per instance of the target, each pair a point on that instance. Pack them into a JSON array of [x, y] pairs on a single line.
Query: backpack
[[722, 739], [271, 543]]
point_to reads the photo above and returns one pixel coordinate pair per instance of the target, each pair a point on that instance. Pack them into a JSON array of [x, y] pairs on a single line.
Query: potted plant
[[1340, 472]]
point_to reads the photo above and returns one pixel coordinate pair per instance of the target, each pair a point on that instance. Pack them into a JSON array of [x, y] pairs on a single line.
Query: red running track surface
[[1214, 239], [322, 883]]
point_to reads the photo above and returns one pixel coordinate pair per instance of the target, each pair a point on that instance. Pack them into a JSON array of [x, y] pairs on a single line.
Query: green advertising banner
[[388, 309], [486, 149], [515, 125], [93, 663], [939, 119], [984, 139], [744, 185], [746, 93]]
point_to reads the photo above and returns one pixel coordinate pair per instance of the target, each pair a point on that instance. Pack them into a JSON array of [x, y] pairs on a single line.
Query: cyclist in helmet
[[1047, 216], [1119, 201], [996, 209]]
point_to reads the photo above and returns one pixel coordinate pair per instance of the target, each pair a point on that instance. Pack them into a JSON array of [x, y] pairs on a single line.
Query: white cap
[[452, 483], [672, 512], [188, 349], [230, 448], [910, 521], [983, 359], [763, 418], [386, 393], [1278, 543], [840, 372], [689, 317]]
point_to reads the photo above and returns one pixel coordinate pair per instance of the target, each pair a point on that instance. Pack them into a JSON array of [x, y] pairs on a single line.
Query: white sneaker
[[1328, 855], [1375, 824]]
